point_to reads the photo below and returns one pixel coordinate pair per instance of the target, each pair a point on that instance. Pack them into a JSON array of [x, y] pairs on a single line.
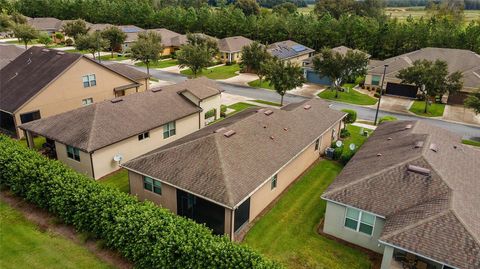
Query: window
[[30, 116], [317, 144], [89, 81], [73, 153], [152, 185], [169, 129], [87, 101], [359, 221], [375, 80], [143, 136], [274, 182]]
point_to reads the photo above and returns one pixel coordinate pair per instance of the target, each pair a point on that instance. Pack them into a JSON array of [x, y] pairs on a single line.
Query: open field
[[402, 13]]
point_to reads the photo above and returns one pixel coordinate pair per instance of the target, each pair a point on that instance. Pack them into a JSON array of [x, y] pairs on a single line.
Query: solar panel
[[130, 30], [299, 48]]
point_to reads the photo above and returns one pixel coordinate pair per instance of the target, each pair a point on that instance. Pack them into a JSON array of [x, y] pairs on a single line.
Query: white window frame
[[167, 128], [89, 79], [359, 221], [74, 151], [143, 136], [87, 101]]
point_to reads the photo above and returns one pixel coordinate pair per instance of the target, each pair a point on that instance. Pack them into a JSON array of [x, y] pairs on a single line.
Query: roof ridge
[[228, 187], [92, 129], [477, 240]]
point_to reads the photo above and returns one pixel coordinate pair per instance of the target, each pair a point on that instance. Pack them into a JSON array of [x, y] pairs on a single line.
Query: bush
[[147, 235], [420, 97], [223, 111], [344, 133], [387, 118], [351, 117], [376, 95], [360, 81], [69, 42], [346, 156], [211, 113]]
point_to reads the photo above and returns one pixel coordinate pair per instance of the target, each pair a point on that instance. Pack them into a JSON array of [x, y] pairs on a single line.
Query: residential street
[[468, 131]]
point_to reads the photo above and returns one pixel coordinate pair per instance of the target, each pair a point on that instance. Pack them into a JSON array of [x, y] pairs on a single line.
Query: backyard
[[118, 180], [434, 110], [219, 72], [351, 97], [24, 245]]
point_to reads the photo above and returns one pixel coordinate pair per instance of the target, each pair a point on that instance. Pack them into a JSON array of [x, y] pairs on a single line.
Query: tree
[[370, 8], [196, 57], [249, 7], [91, 42], [75, 28], [253, 56], [473, 101], [25, 33], [432, 78], [45, 39], [147, 48], [285, 8], [283, 76], [5, 22], [340, 67], [115, 36], [18, 18], [334, 7], [453, 9]]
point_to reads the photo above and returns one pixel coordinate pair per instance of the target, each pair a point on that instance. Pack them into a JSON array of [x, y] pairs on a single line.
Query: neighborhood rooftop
[[233, 44], [207, 162], [104, 123], [288, 49], [45, 24], [8, 53], [128, 71], [425, 183]]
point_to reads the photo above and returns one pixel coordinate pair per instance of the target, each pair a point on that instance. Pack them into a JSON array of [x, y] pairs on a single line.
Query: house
[[465, 61], [180, 40], [168, 40], [231, 48], [226, 174], [411, 193], [48, 24], [290, 51], [132, 35], [136, 75], [99, 26], [44, 82], [312, 76], [8, 53], [94, 139]]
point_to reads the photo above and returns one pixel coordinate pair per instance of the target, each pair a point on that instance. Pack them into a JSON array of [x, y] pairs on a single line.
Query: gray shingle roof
[[201, 87], [8, 53], [233, 44], [227, 170], [435, 216], [127, 71], [288, 49], [45, 24], [104, 123], [167, 36], [465, 61]]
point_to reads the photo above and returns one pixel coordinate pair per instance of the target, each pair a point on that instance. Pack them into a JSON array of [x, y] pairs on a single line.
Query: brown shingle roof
[[101, 124], [45, 24], [414, 204], [233, 44], [166, 35], [128, 71], [201, 87], [31, 72], [8, 53], [227, 170]]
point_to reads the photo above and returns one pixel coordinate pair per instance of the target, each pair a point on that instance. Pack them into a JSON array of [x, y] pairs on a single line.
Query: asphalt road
[[467, 131]]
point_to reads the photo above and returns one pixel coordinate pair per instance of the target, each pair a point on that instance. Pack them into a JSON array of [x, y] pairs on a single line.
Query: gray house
[[411, 193]]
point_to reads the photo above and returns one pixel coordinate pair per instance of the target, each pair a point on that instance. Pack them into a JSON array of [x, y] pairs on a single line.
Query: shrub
[[420, 97], [211, 113], [387, 118], [59, 36], [147, 235], [346, 156], [69, 42], [351, 117], [223, 111], [360, 81], [344, 133], [376, 95]]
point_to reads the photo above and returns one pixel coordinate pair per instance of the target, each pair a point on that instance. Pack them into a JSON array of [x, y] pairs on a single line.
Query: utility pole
[[381, 93]]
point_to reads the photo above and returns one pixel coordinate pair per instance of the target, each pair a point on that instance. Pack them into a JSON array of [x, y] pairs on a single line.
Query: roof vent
[[418, 170], [433, 147], [379, 154], [156, 89], [272, 137], [307, 107], [60, 52], [389, 138], [116, 100], [285, 129], [45, 50], [268, 112], [419, 144], [220, 130], [264, 126], [408, 126], [229, 133]]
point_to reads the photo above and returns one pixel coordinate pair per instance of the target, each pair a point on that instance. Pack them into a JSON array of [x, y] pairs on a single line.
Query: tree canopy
[[283, 76], [253, 56], [75, 28], [25, 33], [197, 54], [115, 37], [249, 7], [147, 48], [92, 42], [473, 101], [45, 39]]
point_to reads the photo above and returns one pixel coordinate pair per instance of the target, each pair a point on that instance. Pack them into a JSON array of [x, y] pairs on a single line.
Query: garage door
[[313, 77], [402, 90], [457, 98]]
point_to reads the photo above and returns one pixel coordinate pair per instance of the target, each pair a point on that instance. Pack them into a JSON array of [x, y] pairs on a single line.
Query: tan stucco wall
[[236, 56], [84, 166], [67, 91], [228, 223], [368, 81], [298, 60], [208, 104], [167, 50], [130, 148], [334, 225], [168, 199]]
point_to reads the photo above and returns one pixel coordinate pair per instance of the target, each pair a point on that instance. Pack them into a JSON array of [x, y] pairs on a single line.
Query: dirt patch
[[375, 258], [48, 222]]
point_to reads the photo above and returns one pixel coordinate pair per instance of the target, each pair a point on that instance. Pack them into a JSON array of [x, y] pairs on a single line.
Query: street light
[[381, 93]]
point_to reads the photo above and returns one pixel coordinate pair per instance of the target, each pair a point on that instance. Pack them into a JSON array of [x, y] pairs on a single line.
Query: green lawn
[[352, 97], [18, 42], [434, 110], [266, 102], [220, 72], [355, 136], [116, 57], [471, 142], [288, 233], [264, 85], [240, 106], [117, 180], [160, 64], [24, 246], [38, 141], [79, 51]]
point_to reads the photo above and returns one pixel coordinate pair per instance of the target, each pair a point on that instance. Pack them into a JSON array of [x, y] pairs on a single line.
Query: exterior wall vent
[[156, 89], [419, 170], [268, 112], [229, 133], [419, 144], [433, 147], [220, 130], [307, 107], [116, 100]]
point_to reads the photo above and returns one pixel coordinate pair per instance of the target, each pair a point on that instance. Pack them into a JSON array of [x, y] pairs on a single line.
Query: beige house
[[465, 61], [226, 174], [290, 51], [95, 139], [231, 48], [140, 77], [411, 193], [44, 82]]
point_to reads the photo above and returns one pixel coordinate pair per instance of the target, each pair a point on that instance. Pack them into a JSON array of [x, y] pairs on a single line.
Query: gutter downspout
[[232, 225]]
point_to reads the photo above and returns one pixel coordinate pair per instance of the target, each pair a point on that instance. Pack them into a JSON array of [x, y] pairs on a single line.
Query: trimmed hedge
[[351, 115], [147, 235]]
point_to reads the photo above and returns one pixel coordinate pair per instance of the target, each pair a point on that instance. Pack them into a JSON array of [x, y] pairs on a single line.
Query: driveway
[[308, 90], [241, 79], [394, 104], [460, 113]]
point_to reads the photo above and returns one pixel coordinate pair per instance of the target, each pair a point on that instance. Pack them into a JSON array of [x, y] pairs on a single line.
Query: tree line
[[379, 36]]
